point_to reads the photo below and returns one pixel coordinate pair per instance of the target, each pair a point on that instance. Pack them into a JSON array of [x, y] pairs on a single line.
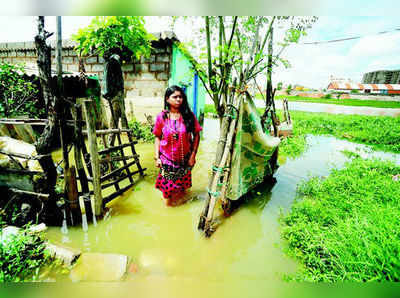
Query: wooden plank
[[118, 158], [113, 173], [116, 194], [31, 193], [116, 171], [108, 131], [119, 147], [108, 157], [103, 186], [23, 121], [94, 155], [115, 120], [20, 155], [130, 138]]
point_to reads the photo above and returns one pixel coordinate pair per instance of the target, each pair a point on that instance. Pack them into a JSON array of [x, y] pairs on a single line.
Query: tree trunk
[[44, 143]]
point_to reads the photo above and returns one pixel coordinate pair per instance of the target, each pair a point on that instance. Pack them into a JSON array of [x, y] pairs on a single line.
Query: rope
[[218, 169], [214, 194], [231, 114]]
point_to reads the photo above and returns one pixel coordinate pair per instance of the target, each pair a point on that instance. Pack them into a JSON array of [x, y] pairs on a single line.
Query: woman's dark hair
[[184, 109]]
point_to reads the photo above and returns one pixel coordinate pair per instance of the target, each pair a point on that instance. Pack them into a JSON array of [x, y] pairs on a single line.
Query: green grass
[[294, 146], [345, 102], [380, 132], [346, 227], [21, 257]]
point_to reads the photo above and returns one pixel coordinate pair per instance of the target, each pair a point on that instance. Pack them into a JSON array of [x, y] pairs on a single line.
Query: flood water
[[169, 250]]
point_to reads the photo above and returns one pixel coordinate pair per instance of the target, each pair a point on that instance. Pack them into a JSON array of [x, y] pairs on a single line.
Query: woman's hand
[[158, 163], [192, 160]]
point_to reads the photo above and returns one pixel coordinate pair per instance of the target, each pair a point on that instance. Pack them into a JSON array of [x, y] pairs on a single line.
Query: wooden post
[[94, 156], [72, 192], [43, 144]]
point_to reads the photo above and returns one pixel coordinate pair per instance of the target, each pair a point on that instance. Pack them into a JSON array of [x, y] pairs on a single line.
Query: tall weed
[[346, 227]]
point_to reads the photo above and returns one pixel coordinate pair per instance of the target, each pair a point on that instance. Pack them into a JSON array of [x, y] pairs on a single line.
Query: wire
[[349, 38]]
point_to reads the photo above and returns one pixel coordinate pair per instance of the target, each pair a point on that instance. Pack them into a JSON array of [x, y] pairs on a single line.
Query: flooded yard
[[168, 249]]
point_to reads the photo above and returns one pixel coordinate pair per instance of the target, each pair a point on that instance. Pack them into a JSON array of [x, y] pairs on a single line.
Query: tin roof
[[69, 43], [356, 86], [32, 70]]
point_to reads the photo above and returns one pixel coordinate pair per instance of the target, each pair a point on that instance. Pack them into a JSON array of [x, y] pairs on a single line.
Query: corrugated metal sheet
[[32, 70], [356, 86]]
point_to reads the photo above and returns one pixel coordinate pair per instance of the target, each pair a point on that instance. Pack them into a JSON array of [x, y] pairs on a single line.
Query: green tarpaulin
[[251, 153]]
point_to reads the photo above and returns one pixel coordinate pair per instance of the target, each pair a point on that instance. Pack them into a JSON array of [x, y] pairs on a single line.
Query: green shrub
[[21, 257], [381, 132], [142, 132], [327, 96], [18, 96], [293, 146]]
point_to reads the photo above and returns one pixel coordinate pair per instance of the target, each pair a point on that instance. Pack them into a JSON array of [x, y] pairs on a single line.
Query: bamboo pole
[[220, 148], [94, 155], [223, 162]]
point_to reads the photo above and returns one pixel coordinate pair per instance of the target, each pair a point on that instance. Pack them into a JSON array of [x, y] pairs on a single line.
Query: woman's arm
[[157, 152], [195, 146]]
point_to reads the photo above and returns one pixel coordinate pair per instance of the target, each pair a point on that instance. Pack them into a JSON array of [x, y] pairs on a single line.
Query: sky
[[311, 65]]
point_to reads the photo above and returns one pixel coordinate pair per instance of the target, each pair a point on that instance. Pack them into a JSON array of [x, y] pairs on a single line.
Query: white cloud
[[376, 45], [312, 65]]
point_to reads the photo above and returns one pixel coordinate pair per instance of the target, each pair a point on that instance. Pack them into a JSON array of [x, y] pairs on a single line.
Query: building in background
[[382, 77], [382, 89]]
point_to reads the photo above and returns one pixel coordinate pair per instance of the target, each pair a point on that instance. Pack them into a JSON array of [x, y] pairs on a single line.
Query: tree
[[236, 48], [104, 34], [289, 89], [53, 105]]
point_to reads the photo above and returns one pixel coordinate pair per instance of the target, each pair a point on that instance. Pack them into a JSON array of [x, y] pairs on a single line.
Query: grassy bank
[[344, 102], [346, 227], [380, 132]]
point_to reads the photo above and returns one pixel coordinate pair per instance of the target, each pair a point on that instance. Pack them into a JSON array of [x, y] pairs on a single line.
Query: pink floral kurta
[[175, 148]]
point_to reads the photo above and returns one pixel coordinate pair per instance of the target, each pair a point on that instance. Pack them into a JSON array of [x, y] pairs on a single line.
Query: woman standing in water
[[177, 140]]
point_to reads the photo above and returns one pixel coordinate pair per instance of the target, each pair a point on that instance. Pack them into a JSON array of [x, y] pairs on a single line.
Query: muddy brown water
[[169, 250]]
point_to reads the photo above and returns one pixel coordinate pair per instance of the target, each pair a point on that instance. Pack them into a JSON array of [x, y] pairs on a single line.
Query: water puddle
[[165, 244]]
